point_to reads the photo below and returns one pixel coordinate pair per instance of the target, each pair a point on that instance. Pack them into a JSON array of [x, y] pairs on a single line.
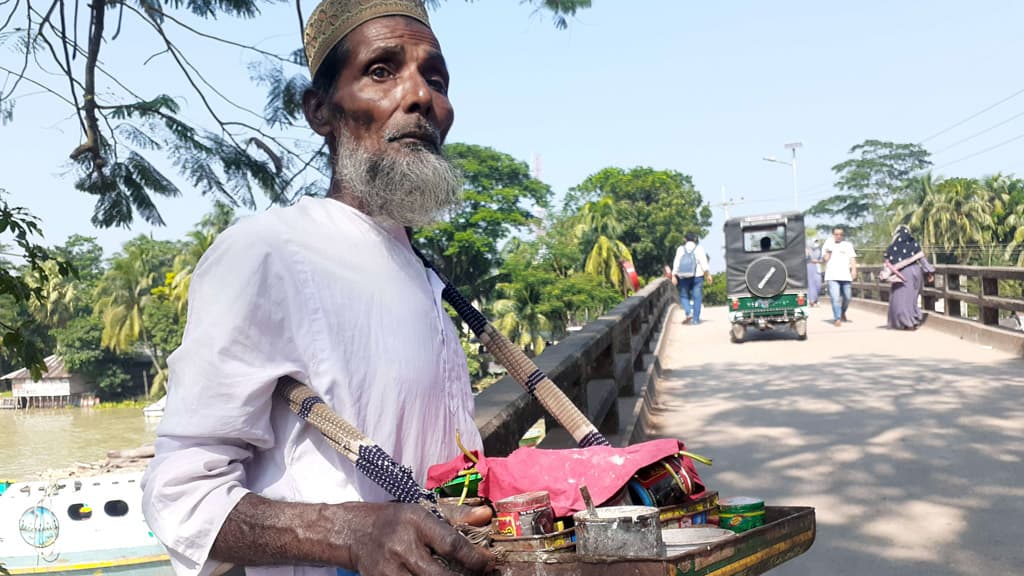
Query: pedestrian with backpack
[[690, 267]]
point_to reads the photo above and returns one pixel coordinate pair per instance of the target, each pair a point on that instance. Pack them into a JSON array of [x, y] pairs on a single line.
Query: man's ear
[[318, 111]]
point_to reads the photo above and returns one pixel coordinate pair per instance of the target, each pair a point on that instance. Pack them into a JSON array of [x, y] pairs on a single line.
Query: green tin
[[740, 513], [463, 486]]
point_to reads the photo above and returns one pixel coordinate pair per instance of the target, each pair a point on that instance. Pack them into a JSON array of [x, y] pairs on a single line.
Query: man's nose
[[418, 98]]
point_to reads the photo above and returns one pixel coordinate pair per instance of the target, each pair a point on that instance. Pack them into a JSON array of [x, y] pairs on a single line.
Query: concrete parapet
[[606, 368]]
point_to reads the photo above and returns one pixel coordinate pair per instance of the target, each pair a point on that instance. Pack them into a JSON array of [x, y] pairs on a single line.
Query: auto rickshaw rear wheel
[[737, 332], [800, 327]]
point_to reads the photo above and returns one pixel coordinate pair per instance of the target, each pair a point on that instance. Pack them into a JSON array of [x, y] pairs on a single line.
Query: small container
[[528, 514], [664, 483], [619, 532], [465, 484], [740, 513], [559, 540], [695, 511]]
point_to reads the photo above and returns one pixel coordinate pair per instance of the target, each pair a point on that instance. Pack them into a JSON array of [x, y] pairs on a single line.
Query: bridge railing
[[596, 367], [986, 294]]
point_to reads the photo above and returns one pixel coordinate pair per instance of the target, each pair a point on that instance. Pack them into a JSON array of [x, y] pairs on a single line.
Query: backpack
[[687, 267]]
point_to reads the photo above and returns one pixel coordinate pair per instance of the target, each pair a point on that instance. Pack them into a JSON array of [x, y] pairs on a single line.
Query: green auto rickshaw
[[766, 273]]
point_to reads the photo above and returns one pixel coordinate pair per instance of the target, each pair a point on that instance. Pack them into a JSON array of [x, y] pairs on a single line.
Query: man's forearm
[[259, 532], [376, 539]]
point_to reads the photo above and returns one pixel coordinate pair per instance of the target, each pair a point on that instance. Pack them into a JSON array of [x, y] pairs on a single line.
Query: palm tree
[[1015, 235], [598, 226], [121, 295], [59, 295], [518, 318], [199, 241], [952, 215]]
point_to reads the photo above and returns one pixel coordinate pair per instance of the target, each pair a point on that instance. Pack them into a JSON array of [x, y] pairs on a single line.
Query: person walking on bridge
[[691, 269], [905, 267], [840, 272]]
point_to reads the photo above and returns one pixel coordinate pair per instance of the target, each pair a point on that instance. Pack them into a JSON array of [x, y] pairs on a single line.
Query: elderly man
[[330, 293]]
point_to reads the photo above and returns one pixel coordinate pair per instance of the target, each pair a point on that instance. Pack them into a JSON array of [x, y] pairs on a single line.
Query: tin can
[[664, 483], [619, 532], [528, 514], [740, 513], [695, 511]]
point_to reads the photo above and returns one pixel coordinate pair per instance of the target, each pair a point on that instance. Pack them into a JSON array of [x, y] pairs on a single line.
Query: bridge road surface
[[908, 444]]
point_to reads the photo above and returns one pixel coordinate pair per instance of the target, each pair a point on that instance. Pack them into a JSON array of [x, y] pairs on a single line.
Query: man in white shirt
[[330, 293], [691, 269], [840, 271]]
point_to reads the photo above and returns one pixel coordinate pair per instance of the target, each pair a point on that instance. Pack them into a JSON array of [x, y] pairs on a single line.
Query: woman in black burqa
[[906, 267]]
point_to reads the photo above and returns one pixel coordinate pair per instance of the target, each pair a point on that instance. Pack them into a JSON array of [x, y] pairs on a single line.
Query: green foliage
[[498, 196], [166, 323], [540, 304], [125, 136], [966, 220], [85, 255], [656, 208], [714, 293], [578, 299], [79, 345], [20, 339], [870, 182]]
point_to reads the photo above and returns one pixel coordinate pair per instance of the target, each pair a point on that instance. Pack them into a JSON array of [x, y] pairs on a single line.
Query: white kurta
[[321, 292]]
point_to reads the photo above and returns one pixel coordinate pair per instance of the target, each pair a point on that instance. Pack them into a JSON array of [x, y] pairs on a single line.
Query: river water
[[35, 440]]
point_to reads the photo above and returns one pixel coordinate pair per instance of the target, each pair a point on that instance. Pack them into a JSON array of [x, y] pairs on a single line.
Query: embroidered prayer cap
[[332, 20]]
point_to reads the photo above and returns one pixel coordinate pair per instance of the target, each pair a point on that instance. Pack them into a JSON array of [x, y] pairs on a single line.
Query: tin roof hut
[[55, 388]]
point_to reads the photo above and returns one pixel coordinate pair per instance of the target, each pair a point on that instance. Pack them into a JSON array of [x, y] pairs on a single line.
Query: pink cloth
[[602, 469]]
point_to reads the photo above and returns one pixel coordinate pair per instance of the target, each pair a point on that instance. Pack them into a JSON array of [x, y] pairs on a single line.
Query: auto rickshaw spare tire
[[766, 277]]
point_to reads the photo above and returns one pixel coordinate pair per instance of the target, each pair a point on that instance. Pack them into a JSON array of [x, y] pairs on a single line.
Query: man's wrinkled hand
[[393, 539]]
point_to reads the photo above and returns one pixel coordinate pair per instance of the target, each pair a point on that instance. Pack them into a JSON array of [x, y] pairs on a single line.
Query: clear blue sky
[[707, 89]]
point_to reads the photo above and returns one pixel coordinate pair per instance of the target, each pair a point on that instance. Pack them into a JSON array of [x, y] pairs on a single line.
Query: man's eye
[[380, 72], [439, 84]]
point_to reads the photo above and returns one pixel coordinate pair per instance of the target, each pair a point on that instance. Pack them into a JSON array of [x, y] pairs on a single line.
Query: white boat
[[156, 409], [77, 526]]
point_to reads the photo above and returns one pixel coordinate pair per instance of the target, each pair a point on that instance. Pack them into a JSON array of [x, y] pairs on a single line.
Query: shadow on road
[[914, 465]]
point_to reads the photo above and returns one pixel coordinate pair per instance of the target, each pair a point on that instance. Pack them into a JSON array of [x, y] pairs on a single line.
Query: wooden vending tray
[[788, 532]]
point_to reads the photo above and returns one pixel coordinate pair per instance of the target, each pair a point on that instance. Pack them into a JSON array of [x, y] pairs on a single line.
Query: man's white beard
[[411, 188]]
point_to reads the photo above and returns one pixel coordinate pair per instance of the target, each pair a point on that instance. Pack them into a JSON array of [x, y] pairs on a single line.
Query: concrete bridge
[[909, 444]]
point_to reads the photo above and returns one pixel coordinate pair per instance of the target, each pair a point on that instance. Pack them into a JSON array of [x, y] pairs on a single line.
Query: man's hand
[[374, 539], [403, 538]]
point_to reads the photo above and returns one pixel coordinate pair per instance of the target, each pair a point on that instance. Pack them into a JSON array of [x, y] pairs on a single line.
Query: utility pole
[[725, 204]]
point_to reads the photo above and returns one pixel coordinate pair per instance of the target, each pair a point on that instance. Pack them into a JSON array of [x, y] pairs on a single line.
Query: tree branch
[[221, 40], [41, 85], [164, 51], [67, 56], [67, 74], [92, 142], [11, 15], [28, 49], [302, 21], [305, 165]]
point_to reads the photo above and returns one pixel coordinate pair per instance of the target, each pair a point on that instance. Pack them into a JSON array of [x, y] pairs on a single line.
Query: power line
[[972, 116], [976, 134], [980, 152]]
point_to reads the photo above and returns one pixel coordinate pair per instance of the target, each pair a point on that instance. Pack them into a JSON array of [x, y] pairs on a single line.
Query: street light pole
[[792, 164], [796, 195]]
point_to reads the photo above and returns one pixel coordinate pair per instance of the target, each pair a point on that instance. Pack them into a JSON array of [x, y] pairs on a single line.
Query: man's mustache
[[419, 130]]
